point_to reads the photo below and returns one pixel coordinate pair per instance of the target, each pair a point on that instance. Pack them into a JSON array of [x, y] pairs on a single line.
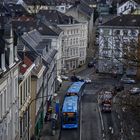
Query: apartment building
[[9, 62], [25, 69], [117, 40], [74, 38]]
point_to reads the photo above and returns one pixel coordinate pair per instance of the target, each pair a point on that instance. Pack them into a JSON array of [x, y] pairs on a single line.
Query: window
[[26, 83], [133, 32], [125, 32], [29, 86], [46, 48], [62, 8], [21, 95], [1, 105], [70, 41], [68, 32], [21, 127], [24, 93], [117, 32], [74, 41], [5, 101], [71, 52], [16, 87]]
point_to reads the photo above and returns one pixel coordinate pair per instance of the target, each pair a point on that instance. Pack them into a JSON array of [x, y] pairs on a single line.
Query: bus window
[[69, 120]]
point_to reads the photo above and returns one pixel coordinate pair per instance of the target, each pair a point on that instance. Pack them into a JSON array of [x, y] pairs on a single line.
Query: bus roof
[[70, 104], [75, 87]]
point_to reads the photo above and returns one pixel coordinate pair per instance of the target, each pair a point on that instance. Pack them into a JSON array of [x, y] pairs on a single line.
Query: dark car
[[92, 63], [74, 78], [118, 88]]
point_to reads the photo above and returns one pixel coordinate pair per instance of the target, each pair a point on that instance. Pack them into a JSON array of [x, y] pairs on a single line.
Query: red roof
[[25, 65]]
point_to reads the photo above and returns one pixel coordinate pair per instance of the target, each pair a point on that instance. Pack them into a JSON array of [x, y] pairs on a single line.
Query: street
[[98, 125]]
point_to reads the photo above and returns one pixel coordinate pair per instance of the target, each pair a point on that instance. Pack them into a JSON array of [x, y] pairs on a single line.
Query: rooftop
[[124, 20], [56, 17]]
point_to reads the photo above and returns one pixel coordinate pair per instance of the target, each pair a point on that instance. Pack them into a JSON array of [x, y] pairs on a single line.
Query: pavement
[[46, 132]]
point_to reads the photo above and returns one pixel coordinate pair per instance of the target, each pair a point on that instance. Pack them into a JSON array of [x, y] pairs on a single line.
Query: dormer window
[[46, 48], [7, 56]]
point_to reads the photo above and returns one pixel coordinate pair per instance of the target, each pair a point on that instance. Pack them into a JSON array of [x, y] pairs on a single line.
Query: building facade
[[74, 45], [74, 39], [117, 41], [25, 70], [9, 120], [127, 7]]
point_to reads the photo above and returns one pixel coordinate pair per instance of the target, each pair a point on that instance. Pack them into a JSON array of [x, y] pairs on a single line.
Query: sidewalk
[[46, 133]]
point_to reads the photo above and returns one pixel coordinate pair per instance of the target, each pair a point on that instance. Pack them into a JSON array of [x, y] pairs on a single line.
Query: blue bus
[[70, 112], [75, 89]]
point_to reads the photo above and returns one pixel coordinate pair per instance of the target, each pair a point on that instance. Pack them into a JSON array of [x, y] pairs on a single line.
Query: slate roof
[[124, 1], [26, 24], [2, 9], [37, 2], [59, 2], [2, 45], [15, 8], [56, 17], [124, 20], [85, 9], [90, 2]]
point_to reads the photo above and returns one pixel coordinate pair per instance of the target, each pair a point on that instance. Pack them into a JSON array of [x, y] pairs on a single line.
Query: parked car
[[74, 78], [127, 80], [88, 81], [79, 78], [63, 77], [92, 63], [118, 88], [134, 90]]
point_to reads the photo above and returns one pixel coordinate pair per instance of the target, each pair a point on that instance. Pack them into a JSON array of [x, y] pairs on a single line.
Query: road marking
[[101, 117], [118, 116], [112, 131], [81, 122], [121, 123]]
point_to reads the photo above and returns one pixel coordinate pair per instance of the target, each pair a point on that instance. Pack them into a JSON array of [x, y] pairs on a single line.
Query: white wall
[[9, 105], [74, 44]]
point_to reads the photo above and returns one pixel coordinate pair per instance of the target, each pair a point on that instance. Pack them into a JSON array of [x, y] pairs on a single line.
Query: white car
[[135, 90], [128, 80], [63, 77], [88, 81]]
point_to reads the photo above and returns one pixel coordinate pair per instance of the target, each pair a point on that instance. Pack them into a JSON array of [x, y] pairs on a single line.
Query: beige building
[[25, 70]]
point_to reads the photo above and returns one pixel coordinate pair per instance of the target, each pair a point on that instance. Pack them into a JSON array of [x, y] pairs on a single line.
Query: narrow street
[[97, 125]]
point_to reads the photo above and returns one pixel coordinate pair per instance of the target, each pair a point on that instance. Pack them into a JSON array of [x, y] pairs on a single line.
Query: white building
[[74, 38], [74, 45], [9, 120], [127, 6], [83, 14], [115, 40]]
